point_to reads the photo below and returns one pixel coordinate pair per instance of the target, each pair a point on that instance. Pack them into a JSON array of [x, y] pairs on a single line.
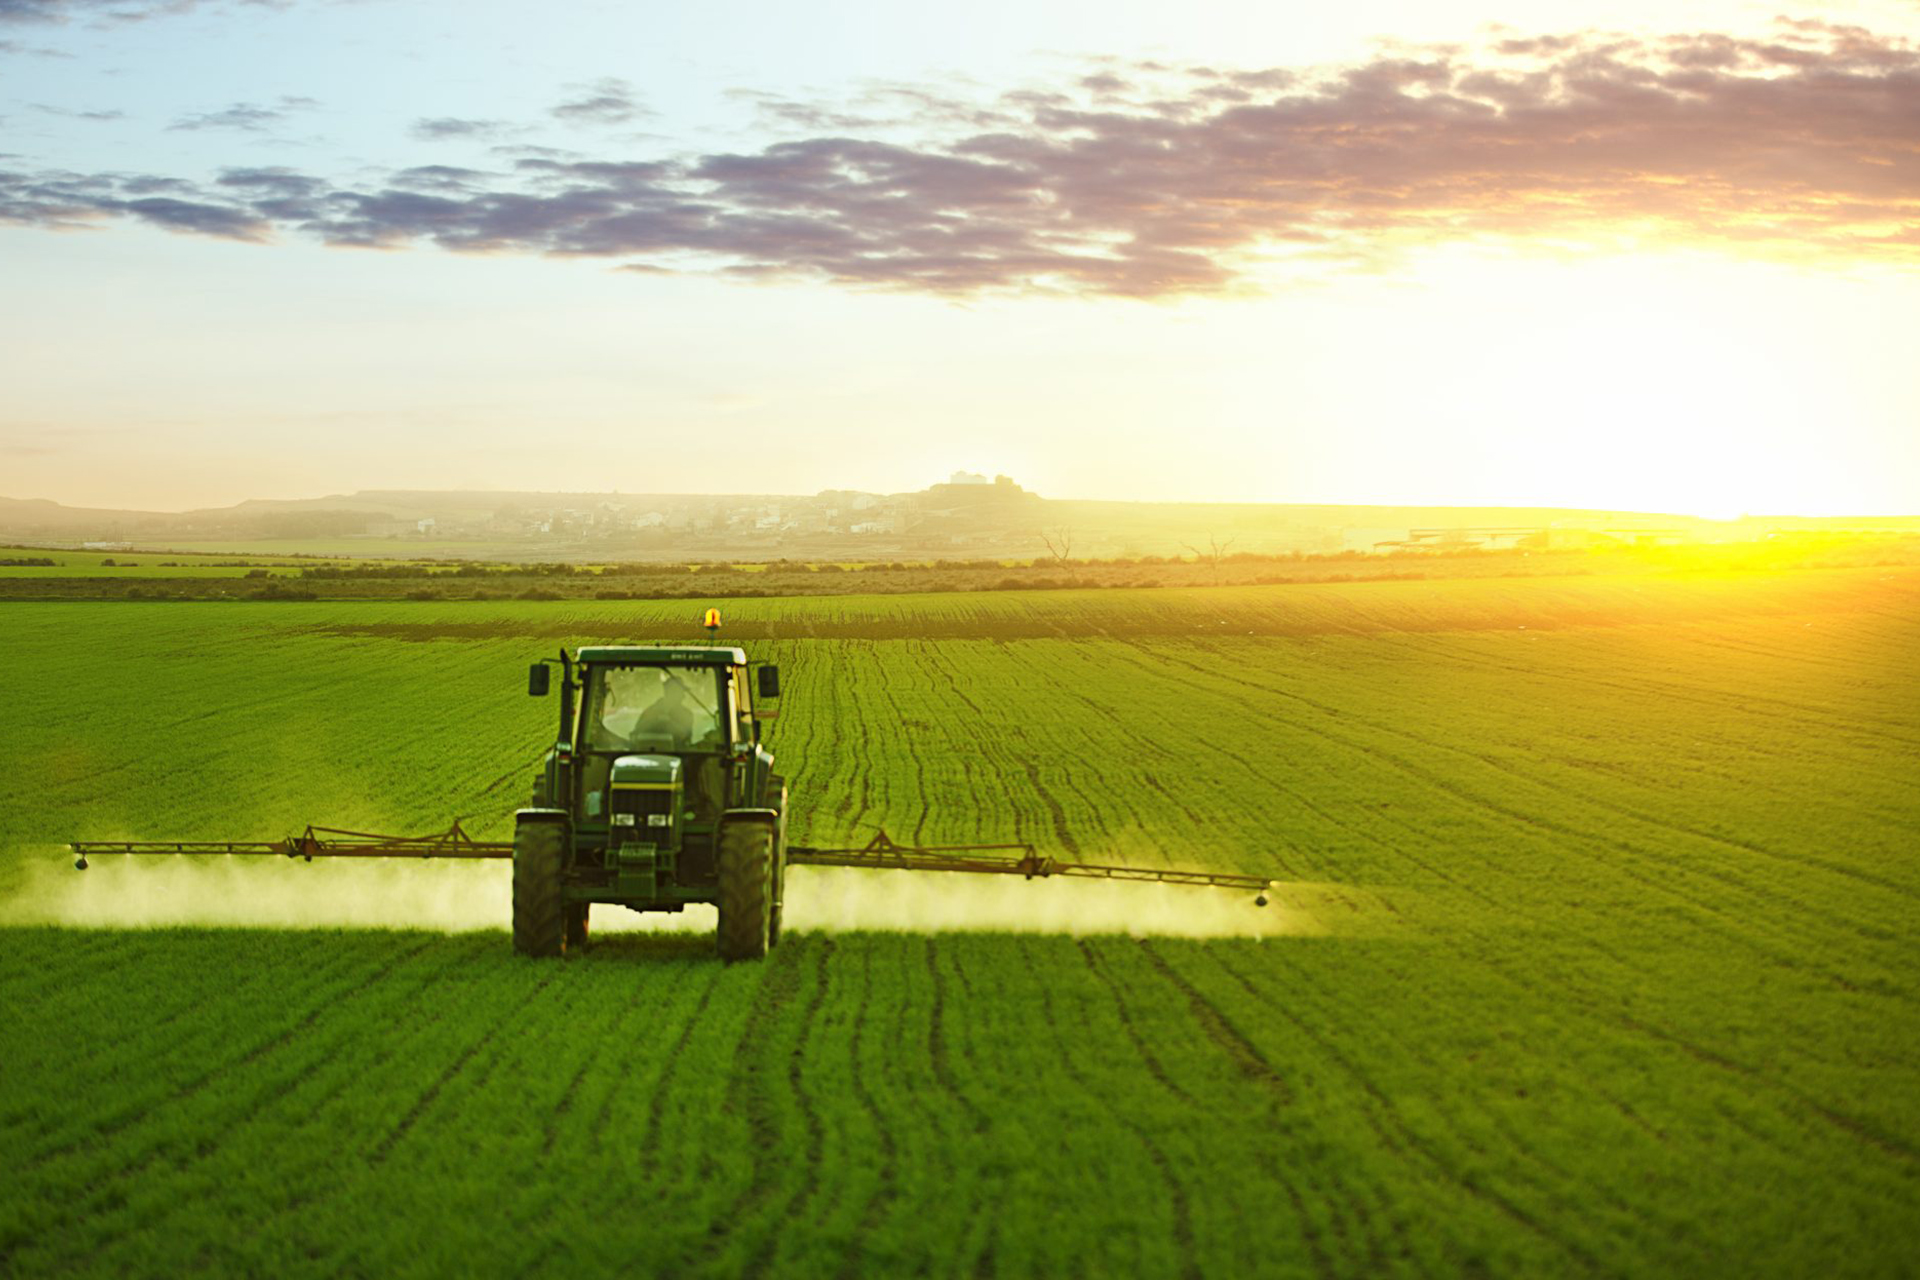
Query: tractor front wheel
[[539, 920], [746, 890], [577, 926]]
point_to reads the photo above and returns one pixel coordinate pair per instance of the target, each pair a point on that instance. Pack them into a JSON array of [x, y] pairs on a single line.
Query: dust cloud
[[450, 896]]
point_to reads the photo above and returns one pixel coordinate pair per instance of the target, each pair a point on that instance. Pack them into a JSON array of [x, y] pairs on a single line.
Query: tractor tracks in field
[[751, 1096], [384, 1148], [1745, 701], [107, 1200], [1858, 1130], [938, 1051], [207, 1025], [1269, 1078], [685, 1006], [1395, 1135], [1061, 832], [1245, 1056], [919, 764], [1155, 1067], [1178, 1197], [615, 1033], [1261, 1073], [1600, 801], [1300, 798], [660, 1085], [334, 996], [887, 1170], [1649, 863]]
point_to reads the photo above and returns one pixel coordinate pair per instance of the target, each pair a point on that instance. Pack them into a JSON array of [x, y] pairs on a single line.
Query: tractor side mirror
[[769, 686], [538, 677]]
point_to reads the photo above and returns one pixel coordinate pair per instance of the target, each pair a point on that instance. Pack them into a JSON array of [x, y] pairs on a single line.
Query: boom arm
[[1004, 859], [314, 842], [881, 853]]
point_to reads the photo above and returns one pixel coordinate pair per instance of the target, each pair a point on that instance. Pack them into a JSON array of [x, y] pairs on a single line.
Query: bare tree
[[1211, 557], [1059, 540]]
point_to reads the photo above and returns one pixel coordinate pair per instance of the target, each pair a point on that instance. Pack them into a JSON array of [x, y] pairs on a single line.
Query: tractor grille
[[652, 810]]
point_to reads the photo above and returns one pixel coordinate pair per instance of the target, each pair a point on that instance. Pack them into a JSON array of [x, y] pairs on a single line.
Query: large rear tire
[[539, 921], [746, 890]]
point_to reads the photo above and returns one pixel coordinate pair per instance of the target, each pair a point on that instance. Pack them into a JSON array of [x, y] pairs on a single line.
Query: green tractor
[[658, 793]]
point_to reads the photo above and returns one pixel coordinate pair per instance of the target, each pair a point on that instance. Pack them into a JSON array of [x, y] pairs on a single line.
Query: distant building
[[969, 477], [1371, 538]]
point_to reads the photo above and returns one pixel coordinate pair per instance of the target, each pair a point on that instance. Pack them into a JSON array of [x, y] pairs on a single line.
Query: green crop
[[1615, 889]]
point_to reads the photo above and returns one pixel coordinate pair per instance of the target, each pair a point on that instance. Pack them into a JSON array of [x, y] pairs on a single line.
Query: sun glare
[[1678, 382]]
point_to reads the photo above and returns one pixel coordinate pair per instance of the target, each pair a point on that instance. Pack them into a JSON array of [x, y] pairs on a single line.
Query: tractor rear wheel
[[746, 890], [577, 926], [539, 923]]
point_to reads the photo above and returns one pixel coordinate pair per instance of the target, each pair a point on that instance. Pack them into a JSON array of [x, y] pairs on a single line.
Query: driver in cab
[[667, 713]]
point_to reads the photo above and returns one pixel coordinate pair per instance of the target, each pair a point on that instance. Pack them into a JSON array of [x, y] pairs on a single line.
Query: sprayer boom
[[314, 842], [1003, 859], [879, 853]]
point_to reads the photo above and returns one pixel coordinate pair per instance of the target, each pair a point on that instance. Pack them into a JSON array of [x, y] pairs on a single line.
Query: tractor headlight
[[655, 819], [622, 819]]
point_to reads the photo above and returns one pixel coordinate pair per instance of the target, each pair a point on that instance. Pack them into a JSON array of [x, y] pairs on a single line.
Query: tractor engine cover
[[645, 804]]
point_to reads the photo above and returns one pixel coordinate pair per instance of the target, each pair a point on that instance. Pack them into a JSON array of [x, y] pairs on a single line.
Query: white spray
[[451, 896]]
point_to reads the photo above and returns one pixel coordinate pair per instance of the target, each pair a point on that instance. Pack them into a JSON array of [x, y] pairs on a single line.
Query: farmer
[[671, 714]]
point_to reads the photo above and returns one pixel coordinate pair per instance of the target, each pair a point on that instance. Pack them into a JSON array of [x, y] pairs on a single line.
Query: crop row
[[407, 1103]]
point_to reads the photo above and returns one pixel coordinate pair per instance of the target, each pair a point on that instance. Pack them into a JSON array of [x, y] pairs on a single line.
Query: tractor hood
[[646, 771]]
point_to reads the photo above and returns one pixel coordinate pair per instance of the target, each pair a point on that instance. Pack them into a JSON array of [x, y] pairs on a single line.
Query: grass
[[70, 564], [1631, 990]]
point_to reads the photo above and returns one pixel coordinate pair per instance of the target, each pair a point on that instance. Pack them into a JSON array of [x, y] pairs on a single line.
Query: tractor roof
[[664, 655]]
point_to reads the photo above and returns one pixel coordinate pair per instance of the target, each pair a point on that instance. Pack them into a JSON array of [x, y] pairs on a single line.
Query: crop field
[[1594, 952], [14, 563]]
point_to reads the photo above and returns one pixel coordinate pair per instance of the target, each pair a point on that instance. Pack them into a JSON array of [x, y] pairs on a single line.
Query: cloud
[[72, 114], [453, 127], [604, 102], [1150, 180], [60, 11], [247, 117]]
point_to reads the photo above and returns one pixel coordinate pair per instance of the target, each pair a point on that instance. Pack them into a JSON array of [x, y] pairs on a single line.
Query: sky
[[1603, 254]]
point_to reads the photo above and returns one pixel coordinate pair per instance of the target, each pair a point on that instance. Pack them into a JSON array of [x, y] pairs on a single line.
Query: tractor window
[[655, 709]]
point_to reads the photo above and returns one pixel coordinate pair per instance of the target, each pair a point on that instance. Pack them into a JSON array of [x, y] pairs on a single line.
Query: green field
[[1596, 953], [140, 564]]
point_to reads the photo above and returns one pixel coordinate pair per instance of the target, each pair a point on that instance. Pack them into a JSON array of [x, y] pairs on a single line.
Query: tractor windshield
[[654, 709]]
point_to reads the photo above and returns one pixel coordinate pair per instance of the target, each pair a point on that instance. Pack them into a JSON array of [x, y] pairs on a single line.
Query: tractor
[[658, 793]]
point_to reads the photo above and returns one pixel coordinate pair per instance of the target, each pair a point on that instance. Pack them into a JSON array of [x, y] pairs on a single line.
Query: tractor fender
[[539, 815], [770, 817]]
